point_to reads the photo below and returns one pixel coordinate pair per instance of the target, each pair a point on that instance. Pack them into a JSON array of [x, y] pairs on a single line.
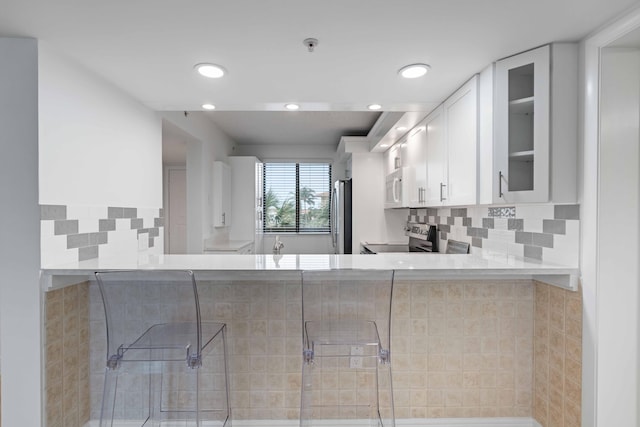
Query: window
[[297, 197]]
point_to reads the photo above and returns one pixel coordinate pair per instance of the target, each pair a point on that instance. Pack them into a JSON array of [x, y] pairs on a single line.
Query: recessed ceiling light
[[401, 128], [384, 145], [292, 107], [374, 106], [212, 71], [413, 71], [208, 106]]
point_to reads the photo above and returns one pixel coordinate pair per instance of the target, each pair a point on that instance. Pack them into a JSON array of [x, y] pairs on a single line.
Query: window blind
[[297, 197]]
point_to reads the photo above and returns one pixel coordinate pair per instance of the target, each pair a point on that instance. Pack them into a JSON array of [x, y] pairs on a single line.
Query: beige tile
[[489, 397], [541, 408], [435, 362], [572, 390], [572, 414], [471, 380], [574, 307], [471, 398], [506, 397], [573, 371], [452, 398], [435, 398], [455, 291]]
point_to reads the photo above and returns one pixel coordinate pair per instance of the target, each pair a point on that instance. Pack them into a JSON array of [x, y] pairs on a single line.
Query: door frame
[[165, 202], [595, 402]]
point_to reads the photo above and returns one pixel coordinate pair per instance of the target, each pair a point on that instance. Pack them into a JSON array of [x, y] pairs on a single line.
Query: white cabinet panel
[[535, 148], [461, 113], [221, 194], [436, 158], [522, 127], [246, 200], [415, 152]]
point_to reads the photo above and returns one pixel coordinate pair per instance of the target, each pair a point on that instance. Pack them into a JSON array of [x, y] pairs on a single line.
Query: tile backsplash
[[77, 233], [543, 232]]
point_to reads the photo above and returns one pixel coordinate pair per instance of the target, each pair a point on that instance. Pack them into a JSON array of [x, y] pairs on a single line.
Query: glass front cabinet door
[[521, 152]]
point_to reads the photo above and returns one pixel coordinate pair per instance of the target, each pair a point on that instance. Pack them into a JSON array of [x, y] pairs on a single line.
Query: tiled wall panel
[[557, 357], [459, 349], [543, 232], [67, 356], [463, 349], [78, 233]]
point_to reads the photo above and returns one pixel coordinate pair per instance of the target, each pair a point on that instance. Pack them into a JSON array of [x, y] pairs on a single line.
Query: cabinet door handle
[[441, 196], [223, 219], [500, 193]]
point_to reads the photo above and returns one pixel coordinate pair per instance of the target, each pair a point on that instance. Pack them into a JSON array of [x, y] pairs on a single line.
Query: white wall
[[367, 170], [98, 146], [618, 215], [298, 153], [20, 331], [208, 144]]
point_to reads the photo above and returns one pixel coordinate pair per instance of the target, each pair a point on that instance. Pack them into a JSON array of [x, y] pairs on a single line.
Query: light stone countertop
[[228, 245], [256, 267]]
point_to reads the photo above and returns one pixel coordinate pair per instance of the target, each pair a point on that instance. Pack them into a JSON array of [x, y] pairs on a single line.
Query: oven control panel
[[420, 231]]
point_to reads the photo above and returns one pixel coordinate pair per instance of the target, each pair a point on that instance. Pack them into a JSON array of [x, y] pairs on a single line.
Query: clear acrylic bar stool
[[346, 369], [164, 365]]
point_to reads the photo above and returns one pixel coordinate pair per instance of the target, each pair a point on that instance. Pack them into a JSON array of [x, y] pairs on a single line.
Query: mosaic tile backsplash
[[78, 233], [542, 232]]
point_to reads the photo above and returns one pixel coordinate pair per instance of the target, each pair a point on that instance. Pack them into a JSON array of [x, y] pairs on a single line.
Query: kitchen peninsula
[[472, 335]]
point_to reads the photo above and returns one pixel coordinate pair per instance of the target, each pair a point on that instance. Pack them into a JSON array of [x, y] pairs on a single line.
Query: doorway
[[611, 226], [174, 166]]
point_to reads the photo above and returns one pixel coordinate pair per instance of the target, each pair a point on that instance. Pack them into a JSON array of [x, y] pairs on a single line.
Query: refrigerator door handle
[[334, 220]]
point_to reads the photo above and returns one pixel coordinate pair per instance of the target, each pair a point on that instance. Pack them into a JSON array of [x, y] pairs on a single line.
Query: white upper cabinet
[[441, 152], [535, 152], [246, 199], [461, 121], [436, 158], [221, 194], [414, 150], [392, 159]]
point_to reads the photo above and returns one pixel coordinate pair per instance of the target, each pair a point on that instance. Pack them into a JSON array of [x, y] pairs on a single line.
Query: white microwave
[[397, 188]]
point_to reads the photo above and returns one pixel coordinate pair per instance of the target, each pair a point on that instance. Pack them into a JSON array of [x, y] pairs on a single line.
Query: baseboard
[[402, 422]]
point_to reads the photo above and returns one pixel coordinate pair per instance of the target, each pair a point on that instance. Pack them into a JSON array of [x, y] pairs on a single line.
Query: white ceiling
[[148, 47], [295, 127]]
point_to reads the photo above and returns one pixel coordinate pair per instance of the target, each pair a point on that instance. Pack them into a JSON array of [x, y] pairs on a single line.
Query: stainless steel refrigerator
[[341, 217]]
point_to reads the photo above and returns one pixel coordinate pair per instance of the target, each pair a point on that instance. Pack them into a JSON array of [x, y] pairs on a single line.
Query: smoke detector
[[310, 43]]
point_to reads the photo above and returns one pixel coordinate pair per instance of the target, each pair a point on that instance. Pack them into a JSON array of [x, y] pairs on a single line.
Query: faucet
[[277, 245]]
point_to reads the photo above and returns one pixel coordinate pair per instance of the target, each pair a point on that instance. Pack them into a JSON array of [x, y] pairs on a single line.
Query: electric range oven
[[423, 238]]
